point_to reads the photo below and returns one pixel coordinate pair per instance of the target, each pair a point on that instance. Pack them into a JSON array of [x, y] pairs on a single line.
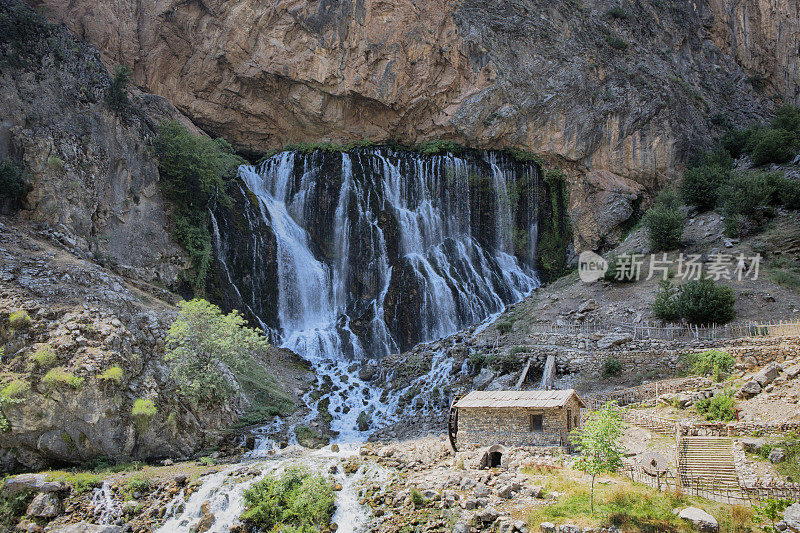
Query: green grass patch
[[59, 376], [15, 389], [80, 481], [20, 319], [44, 356], [310, 438], [112, 373]]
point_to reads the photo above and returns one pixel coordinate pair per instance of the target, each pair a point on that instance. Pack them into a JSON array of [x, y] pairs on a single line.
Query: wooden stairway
[[707, 461]]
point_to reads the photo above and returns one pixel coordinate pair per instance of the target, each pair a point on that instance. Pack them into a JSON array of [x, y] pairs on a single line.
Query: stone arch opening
[[494, 455]]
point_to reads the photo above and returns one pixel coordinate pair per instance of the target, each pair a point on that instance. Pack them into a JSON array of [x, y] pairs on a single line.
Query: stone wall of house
[[486, 426]]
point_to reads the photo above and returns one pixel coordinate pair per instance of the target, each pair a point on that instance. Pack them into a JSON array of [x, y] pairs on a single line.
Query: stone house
[[516, 418]]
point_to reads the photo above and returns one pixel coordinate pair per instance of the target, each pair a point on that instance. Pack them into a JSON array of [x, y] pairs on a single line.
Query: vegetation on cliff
[[747, 198], [212, 355], [193, 172]]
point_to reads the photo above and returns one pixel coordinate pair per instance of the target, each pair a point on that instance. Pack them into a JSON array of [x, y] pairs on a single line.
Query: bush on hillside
[[117, 92], [193, 172], [701, 185], [611, 367], [665, 221], [705, 302], [718, 407], [789, 193], [773, 146], [201, 342], [664, 305], [787, 118], [713, 363], [13, 187], [748, 195], [616, 273]]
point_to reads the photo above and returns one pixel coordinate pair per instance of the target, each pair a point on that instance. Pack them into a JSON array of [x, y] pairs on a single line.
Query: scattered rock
[[31, 482], [613, 339], [482, 491], [335, 448], [751, 388], [45, 505], [699, 519], [86, 527], [547, 527], [791, 515], [767, 375]]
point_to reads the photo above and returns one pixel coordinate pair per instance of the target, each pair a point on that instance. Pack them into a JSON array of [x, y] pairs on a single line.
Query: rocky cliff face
[[626, 91], [88, 167]]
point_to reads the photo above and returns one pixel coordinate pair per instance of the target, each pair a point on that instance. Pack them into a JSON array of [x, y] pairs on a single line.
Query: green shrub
[[719, 407], [208, 461], [701, 185], [15, 389], [44, 356], [20, 319], [774, 146], [705, 302], [59, 376], [504, 327], [735, 141], [117, 94], [789, 194], [139, 483], [478, 360], [193, 171], [664, 304], [611, 367], [112, 373], [748, 194], [439, 147], [617, 12], [787, 118], [616, 43], [665, 222], [13, 186], [416, 498], [296, 499], [712, 363]]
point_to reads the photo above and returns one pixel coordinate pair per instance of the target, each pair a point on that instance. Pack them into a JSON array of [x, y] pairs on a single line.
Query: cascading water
[[377, 250]]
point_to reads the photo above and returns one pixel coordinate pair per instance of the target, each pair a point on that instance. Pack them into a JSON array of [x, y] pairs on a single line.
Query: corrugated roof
[[522, 399]]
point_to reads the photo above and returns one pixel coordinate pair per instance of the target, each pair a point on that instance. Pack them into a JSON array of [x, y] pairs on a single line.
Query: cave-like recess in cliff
[[369, 251]]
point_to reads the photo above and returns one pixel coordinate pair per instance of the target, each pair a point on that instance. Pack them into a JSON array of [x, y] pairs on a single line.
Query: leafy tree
[[705, 302], [117, 92], [665, 221], [203, 344], [598, 443], [712, 363], [663, 305], [772, 509], [774, 146], [701, 185], [193, 171], [13, 187]]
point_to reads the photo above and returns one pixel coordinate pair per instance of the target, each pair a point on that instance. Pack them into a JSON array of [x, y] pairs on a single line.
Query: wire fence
[[648, 330]]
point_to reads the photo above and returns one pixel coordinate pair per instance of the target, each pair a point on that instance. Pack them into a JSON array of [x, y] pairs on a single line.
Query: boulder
[[483, 378], [793, 371], [32, 483], [482, 491], [461, 527], [488, 515], [45, 505], [791, 515], [700, 519], [751, 388], [613, 339], [767, 375], [505, 491], [778, 455], [547, 527]]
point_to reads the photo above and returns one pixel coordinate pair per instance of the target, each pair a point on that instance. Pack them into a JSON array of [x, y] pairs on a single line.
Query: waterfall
[[378, 250]]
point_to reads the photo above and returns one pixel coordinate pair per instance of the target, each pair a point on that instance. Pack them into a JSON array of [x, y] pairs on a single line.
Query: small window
[[536, 422]]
